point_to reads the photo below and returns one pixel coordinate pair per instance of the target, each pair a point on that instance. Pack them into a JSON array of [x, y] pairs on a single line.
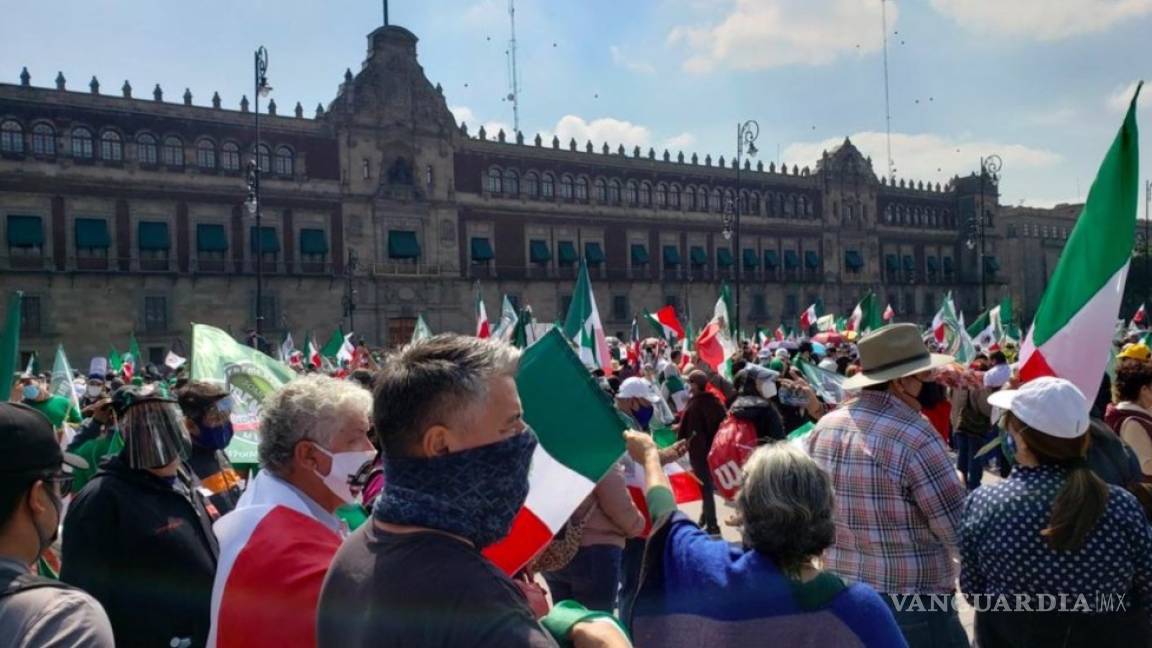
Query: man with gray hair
[[276, 546], [456, 458]]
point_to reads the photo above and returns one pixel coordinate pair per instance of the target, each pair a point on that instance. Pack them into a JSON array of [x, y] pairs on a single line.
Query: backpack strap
[[24, 582]]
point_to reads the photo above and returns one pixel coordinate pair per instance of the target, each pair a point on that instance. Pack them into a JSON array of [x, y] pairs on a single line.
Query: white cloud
[[485, 13], [605, 129], [621, 60], [759, 34], [1041, 19], [465, 115], [1121, 96], [680, 142], [926, 156]]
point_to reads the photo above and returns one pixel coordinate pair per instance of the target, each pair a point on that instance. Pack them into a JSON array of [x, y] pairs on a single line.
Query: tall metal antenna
[[385, 13], [887, 101], [513, 78]]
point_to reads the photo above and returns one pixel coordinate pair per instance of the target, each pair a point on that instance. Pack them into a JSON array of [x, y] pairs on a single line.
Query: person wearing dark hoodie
[[138, 537], [699, 423], [755, 387]]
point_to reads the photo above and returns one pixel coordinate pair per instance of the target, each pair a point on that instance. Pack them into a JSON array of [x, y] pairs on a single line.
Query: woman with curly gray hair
[[699, 591]]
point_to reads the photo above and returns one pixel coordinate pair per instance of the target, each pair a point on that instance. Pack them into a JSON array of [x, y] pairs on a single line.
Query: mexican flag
[[988, 329], [1071, 335], [715, 345], [247, 374], [483, 328], [864, 317], [808, 318], [508, 319], [574, 452], [945, 320], [314, 357], [583, 326], [826, 323], [132, 362], [685, 485], [115, 361], [421, 331], [666, 324], [1138, 317], [334, 344], [779, 334]]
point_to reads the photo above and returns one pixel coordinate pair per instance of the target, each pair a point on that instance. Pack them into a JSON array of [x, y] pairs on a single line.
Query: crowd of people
[[864, 511]]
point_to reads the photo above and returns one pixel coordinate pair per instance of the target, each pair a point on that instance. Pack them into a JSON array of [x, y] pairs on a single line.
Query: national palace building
[[123, 213]]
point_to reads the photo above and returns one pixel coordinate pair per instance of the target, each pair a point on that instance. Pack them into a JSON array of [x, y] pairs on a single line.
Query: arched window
[[81, 143], [111, 146], [11, 137], [172, 152], [206, 154], [716, 202], [702, 199], [888, 214], [674, 196], [566, 187], [495, 181], [547, 186], [43, 140], [729, 201], [789, 206], [532, 184], [230, 156], [264, 158], [630, 192], [582, 188], [283, 163], [808, 208], [745, 203], [511, 182], [600, 190], [754, 204], [146, 149], [661, 195], [690, 198], [614, 192], [802, 208], [645, 194]]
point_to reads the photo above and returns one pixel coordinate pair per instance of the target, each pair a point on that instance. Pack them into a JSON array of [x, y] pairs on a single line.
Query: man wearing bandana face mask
[[206, 408], [37, 611], [139, 537], [456, 459]]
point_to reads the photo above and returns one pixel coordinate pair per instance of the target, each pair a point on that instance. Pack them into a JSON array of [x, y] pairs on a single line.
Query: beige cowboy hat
[[891, 352]]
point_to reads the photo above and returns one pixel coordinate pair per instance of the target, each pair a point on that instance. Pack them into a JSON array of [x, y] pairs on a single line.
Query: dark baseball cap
[[28, 443], [197, 396]]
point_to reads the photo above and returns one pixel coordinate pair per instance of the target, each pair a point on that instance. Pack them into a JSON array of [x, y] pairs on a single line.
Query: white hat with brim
[[891, 352], [1052, 406], [636, 387]]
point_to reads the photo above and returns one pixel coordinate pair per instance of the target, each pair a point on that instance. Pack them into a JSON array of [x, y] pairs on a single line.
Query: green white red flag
[[808, 318], [1071, 335], [715, 345], [583, 325], [666, 324], [483, 327], [574, 451]]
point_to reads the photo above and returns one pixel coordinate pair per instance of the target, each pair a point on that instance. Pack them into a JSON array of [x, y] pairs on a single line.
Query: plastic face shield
[[154, 434]]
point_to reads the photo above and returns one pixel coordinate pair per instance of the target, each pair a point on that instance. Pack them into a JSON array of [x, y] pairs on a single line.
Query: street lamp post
[[262, 88], [989, 174], [746, 136], [350, 291]]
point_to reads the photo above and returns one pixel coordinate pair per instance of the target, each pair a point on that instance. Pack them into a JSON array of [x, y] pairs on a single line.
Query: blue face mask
[[213, 437], [474, 493], [644, 415], [31, 392], [1008, 446]]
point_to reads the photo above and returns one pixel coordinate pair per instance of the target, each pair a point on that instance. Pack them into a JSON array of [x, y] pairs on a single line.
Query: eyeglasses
[[62, 481]]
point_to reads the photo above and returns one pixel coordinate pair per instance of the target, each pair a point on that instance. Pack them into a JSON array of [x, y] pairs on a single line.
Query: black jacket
[[762, 413], [145, 550]]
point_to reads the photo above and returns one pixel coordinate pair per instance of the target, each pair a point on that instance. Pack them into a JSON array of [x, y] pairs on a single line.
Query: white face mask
[[93, 391], [767, 388], [345, 465]]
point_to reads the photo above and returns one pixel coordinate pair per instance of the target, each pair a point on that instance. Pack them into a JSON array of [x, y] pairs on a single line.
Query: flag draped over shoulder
[[574, 451], [583, 325], [1071, 334], [247, 374]]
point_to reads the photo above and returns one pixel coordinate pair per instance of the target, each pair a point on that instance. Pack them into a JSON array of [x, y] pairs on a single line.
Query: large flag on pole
[[808, 318], [508, 319], [574, 452], [864, 317], [247, 374], [1071, 335], [583, 326], [62, 384], [715, 345], [666, 324]]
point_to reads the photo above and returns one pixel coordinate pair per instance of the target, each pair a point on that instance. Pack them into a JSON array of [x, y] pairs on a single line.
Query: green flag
[[524, 333], [62, 379], [134, 355], [10, 339], [583, 325], [733, 325], [247, 374], [115, 362], [332, 347]]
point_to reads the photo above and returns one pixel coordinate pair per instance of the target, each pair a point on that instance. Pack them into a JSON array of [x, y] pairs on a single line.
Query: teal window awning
[[891, 263], [991, 265], [909, 262], [933, 264], [593, 253], [92, 233], [402, 244], [751, 258], [639, 254], [812, 260], [724, 257], [568, 255], [771, 259], [791, 260], [313, 241], [152, 235], [25, 231], [671, 256], [853, 259], [698, 256], [539, 252], [481, 249], [947, 265], [210, 237], [268, 240]]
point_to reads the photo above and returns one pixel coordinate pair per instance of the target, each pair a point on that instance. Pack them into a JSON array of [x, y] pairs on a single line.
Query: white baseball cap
[[636, 387], [1053, 406]]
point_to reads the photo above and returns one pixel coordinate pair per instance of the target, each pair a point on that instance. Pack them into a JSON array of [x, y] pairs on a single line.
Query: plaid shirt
[[898, 497]]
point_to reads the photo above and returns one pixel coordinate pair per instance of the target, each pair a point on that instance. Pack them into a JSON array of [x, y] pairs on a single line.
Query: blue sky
[[1042, 83]]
